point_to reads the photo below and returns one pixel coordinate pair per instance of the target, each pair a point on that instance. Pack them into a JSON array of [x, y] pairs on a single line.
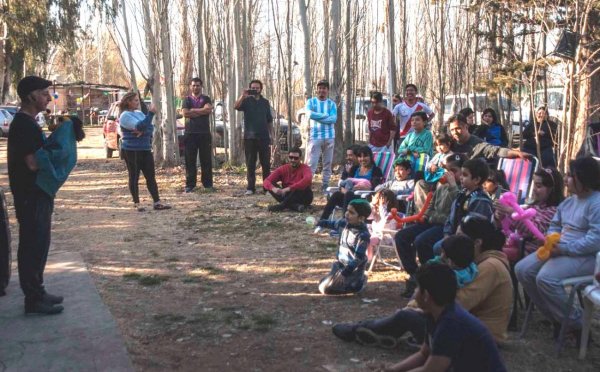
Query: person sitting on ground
[[490, 130], [419, 141], [487, 297], [456, 340], [295, 191], [419, 238], [495, 184], [471, 200], [547, 194], [458, 252], [577, 220], [381, 206], [402, 184], [366, 169], [347, 274]]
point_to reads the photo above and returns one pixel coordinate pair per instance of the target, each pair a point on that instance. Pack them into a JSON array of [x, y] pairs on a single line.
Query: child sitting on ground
[[471, 200], [495, 185], [458, 253], [402, 184], [347, 274], [381, 206]]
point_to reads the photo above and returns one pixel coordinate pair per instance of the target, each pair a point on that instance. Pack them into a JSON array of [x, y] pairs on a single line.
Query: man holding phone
[[258, 122]]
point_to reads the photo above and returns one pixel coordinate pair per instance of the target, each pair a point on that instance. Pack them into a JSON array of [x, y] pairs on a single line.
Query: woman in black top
[[546, 136], [366, 169]]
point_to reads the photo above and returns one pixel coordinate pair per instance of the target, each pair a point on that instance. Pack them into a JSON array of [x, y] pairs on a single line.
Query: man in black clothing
[[197, 109], [32, 205], [258, 122]]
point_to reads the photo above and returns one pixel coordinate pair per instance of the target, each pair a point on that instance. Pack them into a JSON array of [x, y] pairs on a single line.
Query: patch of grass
[[150, 280], [263, 322], [132, 276]]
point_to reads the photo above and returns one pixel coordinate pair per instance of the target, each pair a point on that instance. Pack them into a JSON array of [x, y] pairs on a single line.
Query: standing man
[[33, 206], [322, 113], [197, 109], [403, 111], [258, 123], [380, 121]]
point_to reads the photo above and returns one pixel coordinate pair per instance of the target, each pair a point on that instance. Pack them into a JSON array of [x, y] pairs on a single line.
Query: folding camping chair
[[519, 175]]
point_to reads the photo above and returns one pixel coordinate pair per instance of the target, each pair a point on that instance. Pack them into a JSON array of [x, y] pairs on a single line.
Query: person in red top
[[295, 191], [382, 127]]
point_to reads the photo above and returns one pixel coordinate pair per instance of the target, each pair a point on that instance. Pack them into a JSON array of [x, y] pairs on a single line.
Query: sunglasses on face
[[292, 157]]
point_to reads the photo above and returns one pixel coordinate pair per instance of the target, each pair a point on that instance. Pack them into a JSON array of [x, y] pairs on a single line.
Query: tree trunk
[[349, 78], [130, 66], [326, 32], [170, 151], [306, 33], [391, 44], [336, 77], [201, 41], [186, 51]]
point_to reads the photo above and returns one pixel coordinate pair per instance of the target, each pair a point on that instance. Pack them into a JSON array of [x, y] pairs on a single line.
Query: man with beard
[[290, 184]]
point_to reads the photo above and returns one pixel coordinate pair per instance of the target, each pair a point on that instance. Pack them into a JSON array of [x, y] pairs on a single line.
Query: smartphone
[[253, 92]]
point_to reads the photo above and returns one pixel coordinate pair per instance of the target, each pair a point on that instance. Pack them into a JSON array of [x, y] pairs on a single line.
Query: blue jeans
[[541, 281], [34, 213], [314, 149], [417, 239]]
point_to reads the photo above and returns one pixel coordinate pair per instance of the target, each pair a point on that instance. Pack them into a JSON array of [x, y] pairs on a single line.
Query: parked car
[[11, 109], [455, 103], [5, 119]]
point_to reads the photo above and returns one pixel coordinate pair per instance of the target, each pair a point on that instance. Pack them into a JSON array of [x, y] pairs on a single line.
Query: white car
[[556, 104], [5, 119], [455, 103]]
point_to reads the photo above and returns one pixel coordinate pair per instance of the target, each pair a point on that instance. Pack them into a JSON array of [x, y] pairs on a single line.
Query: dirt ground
[[219, 284]]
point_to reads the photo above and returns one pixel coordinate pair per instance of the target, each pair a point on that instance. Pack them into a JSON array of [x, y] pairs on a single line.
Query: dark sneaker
[[409, 289], [298, 208], [52, 299], [345, 331], [189, 189], [275, 208], [365, 336], [43, 308]]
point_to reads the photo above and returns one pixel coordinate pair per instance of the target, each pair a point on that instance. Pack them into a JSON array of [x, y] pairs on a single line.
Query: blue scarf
[[463, 276], [56, 159]]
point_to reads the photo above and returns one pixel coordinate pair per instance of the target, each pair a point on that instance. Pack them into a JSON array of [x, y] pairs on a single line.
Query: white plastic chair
[[591, 299]]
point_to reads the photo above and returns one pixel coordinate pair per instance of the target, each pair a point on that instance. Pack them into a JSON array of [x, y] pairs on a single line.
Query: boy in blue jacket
[[348, 272]]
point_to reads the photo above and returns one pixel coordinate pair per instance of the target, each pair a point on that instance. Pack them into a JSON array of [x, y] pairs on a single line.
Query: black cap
[[30, 83], [323, 82]]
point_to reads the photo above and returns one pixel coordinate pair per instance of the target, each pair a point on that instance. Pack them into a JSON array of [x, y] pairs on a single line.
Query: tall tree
[[302, 8], [391, 50]]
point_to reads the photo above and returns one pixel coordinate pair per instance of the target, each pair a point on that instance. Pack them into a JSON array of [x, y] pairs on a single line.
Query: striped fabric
[[519, 175], [322, 118], [385, 161]]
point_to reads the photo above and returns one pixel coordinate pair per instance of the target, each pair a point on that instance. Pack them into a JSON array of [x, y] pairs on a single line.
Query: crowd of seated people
[[466, 226]]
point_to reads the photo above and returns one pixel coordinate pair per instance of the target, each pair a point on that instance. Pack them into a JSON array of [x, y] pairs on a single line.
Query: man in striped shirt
[[322, 113]]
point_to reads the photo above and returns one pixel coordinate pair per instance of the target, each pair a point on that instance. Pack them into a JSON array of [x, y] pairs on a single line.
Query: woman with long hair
[[136, 145]]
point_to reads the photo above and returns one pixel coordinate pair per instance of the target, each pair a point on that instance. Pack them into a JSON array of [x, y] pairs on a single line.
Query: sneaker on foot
[[138, 207], [318, 230], [298, 208], [43, 308], [159, 206], [249, 192], [344, 331], [365, 336], [189, 189]]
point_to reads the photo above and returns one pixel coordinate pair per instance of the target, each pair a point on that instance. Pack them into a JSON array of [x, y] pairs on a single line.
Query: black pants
[[253, 148], [198, 143], [338, 199], [405, 320], [295, 197], [141, 161], [34, 213]]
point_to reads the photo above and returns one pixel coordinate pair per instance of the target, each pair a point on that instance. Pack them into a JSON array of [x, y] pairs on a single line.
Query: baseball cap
[[31, 83], [323, 82]]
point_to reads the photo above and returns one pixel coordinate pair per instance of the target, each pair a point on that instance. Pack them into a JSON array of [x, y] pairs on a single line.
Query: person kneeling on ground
[[348, 272], [295, 192], [456, 340]]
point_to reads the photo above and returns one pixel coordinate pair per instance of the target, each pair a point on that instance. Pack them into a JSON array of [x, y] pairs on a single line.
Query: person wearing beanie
[[33, 206], [347, 273]]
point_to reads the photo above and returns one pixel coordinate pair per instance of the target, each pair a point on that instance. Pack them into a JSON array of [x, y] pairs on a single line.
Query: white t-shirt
[[402, 113]]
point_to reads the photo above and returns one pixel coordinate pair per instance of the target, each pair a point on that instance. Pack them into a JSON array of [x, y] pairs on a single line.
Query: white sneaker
[[249, 192], [318, 230]]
